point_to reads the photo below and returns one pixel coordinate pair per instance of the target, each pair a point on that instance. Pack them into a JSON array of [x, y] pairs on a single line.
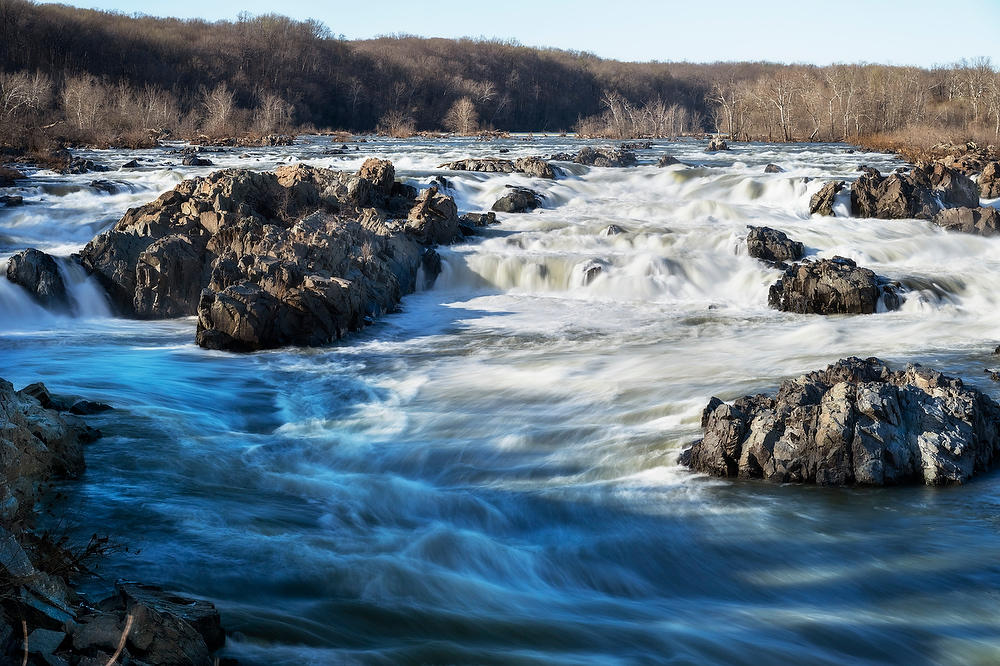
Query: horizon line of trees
[[87, 76]]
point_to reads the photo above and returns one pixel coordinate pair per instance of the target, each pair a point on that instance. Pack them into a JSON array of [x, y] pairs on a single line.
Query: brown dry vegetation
[[73, 76]]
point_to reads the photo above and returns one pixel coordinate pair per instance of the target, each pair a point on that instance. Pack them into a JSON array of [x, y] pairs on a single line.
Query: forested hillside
[[88, 76]]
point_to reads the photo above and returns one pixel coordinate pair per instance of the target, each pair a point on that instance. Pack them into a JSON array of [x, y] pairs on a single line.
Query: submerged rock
[[39, 274], [821, 203], [773, 168], [299, 256], [667, 160], [856, 422], [194, 160], [772, 245], [518, 200], [982, 221], [9, 176], [831, 286]]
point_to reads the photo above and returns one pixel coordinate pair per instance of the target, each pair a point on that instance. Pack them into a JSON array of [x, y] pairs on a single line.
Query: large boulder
[[299, 256], [855, 423], [989, 181], [773, 246], [534, 166], [433, 218], [822, 202], [9, 176], [518, 200], [982, 221], [831, 286], [920, 194], [39, 274]]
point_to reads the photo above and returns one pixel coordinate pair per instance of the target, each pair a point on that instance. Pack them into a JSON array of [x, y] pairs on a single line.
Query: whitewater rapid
[[490, 476]]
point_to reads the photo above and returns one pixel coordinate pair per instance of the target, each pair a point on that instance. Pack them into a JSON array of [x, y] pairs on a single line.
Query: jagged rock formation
[[299, 256], [982, 221], [717, 143], [773, 246], [601, 157], [989, 181], [856, 422], [831, 286], [821, 203], [532, 166], [920, 194]]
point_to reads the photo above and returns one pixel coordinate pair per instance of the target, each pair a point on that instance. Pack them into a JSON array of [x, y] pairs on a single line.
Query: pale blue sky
[[920, 32]]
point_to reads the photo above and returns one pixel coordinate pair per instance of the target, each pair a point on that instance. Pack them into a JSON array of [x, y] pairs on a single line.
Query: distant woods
[[82, 76]]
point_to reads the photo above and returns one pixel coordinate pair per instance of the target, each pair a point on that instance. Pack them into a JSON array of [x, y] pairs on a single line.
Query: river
[[490, 475]]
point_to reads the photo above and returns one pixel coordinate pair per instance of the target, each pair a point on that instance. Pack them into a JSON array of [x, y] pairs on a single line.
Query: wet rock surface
[[981, 221], [822, 202], [601, 157], [773, 246], [855, 423], [832, 286], [299, 256], [716, 144], [920, 194], [531, 166], [39, 274], [989, 181], [518, 200]]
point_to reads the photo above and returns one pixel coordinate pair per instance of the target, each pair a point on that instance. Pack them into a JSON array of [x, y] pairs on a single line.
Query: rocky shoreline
[[43, 619]]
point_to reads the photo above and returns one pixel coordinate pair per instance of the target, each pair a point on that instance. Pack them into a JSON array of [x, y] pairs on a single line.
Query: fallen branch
[[121, 641]]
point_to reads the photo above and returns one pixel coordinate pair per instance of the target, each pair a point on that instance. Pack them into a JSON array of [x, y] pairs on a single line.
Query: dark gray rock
[[821, 203], [920, 194], [715, 144], [613, 230], [131, 164], [831, 286], [299, 256], [518, 200], [667, 160], [201, 615], [194, 160], [39, 274], [773, 168], [856, 422], [534, 166], [11, 200], [981, 221], [479, 219], [602, 157], [772, 245]]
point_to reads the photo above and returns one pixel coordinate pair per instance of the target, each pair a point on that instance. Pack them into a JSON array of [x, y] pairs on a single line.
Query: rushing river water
[[490, 475]]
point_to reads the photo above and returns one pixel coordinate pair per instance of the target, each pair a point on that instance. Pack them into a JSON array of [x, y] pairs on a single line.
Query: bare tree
[[462, 117], [218, 104]]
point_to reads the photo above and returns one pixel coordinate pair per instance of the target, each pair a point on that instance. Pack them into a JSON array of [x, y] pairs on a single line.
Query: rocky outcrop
[[920, 194], [822, 202], [39, 440], [39, 274], [667, 160], [518, 200], [989, 181], [485, 165], [831, 286], [715, 144], [773, 246], [773, 168], [982, 221], [9, 176], [266, 140], [11, 200], [299, 256], [531, 166], [855, 423], [601, 157], [78, 165], [535, 167]]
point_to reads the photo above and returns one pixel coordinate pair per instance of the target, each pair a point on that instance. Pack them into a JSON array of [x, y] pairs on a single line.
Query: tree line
[[87, 76]]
